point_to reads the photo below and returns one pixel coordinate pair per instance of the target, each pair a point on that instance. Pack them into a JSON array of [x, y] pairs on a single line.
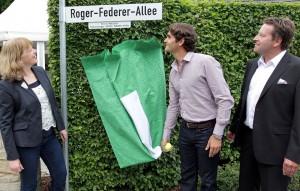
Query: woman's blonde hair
[[10, 58]]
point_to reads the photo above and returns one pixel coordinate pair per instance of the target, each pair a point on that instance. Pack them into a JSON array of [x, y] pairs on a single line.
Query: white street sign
[[110, 25], [121, 12]]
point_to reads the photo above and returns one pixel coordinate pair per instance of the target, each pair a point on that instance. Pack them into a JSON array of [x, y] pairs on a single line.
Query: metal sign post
[[63, 80]]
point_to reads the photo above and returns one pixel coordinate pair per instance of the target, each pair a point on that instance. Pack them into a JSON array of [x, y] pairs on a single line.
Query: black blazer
[[276, 124], [20, 113]]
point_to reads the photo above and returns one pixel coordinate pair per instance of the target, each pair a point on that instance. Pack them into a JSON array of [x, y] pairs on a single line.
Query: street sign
[[120, 12]]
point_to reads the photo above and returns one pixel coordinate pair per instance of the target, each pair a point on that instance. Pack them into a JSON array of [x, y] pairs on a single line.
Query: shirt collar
[[187, 58], [275, 61]]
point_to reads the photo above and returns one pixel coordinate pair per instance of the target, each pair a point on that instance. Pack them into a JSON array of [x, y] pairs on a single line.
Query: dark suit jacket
[[20, 113], [276, 124]]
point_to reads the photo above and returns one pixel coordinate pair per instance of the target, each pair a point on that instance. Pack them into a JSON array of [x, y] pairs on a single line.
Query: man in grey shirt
[[198, 90]]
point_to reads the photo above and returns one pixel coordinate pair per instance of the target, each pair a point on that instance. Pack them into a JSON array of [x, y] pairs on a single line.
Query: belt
[[203, 124]]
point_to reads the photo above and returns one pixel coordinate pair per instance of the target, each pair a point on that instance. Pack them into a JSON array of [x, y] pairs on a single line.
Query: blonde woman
[[28, 116]]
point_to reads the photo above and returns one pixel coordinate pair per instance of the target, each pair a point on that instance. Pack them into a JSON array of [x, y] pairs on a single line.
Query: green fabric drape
[[134, 65]]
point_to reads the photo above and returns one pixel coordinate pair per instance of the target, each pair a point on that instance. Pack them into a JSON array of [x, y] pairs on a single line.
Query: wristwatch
[[218, 136]]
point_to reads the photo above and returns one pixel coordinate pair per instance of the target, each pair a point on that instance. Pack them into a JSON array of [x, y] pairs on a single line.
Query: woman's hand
[[15, 165], [63, 135]]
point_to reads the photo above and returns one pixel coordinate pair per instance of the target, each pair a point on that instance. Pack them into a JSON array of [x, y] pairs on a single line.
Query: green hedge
[[225, 31], [4, 4]]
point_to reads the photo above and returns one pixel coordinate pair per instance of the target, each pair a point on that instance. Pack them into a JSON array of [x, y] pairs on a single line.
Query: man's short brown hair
[[184, 31], [283, 28]]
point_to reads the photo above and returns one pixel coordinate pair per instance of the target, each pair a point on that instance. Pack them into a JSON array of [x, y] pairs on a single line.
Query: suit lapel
[[280, 68], [26, 88], [43, 79]]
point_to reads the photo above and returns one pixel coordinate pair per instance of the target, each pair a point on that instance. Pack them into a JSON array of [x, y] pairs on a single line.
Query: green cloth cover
[[134, 65]]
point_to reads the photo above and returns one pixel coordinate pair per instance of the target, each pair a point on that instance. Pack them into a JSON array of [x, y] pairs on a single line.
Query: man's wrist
[[218, 136]]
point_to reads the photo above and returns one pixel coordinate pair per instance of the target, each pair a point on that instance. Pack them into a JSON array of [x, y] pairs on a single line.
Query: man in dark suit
[[266, 124]]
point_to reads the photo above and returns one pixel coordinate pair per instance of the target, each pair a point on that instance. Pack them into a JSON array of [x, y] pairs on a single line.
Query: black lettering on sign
[[113, 12], [81, 14], [143, 10]]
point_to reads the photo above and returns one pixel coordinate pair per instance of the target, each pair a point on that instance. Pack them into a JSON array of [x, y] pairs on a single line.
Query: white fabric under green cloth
[[129, 89]]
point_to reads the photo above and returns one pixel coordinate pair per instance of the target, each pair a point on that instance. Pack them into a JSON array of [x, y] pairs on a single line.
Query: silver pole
[[63, 79], [40, 48]]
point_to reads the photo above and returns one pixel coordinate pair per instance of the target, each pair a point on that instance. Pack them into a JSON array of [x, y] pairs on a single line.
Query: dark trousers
[[256, 176], [195, 160], [51, 152]]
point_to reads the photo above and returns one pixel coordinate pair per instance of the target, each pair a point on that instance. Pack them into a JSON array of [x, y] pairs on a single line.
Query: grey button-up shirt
[[199, 93]]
